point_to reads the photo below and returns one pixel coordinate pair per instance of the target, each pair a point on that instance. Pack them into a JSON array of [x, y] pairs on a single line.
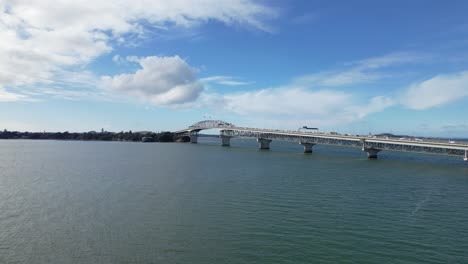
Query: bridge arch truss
[[209, 124]]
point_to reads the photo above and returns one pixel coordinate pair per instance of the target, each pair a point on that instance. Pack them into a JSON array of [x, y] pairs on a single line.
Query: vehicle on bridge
[[308, 129]]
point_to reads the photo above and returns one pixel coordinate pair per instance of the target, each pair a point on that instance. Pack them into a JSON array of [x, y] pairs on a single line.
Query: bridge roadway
[[372, 145]]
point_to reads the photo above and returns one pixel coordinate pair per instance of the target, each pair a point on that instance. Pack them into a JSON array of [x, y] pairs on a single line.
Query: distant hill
[[392, 135], [407, 136]]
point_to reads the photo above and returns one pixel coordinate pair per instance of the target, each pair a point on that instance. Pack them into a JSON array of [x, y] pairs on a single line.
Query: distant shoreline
[[122, 136], [139, 136]]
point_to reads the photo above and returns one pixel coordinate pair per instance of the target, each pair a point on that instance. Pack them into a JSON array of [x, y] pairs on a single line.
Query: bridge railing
[[351, 141]]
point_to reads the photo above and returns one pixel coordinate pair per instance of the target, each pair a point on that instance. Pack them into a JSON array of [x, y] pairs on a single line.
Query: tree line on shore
[[92, 135]]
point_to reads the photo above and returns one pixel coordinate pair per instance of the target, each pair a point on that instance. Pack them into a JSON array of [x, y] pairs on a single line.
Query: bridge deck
[[429, 146], [433, 146]]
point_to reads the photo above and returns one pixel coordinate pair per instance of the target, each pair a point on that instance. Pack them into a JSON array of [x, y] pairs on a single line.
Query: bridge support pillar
[[264, 143], [371, 152], [466, 155], [193, 138], [307, 147], [225, 141]]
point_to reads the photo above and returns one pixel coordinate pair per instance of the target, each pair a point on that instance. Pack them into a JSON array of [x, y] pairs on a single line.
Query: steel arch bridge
[[371, 145], [209, 124], [206, 124]]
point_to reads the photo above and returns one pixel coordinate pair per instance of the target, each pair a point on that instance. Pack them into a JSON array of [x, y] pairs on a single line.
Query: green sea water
[[111, 202]]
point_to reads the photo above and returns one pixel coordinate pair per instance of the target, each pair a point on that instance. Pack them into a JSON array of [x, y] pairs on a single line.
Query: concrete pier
[[371, 152], [264, 143], [225, 141], [307, 147], [372, 145], [194, 138]]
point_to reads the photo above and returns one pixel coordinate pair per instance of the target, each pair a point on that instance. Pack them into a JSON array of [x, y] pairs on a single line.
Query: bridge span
[[372, 145]]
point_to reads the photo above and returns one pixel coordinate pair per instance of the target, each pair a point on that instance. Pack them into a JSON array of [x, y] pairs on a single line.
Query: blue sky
[[348, 66]]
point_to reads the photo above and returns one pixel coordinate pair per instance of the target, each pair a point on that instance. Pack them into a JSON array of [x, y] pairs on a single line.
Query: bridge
[[372, 145]]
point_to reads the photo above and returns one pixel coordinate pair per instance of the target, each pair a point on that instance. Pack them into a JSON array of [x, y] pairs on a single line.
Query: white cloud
[[437, 91], [375, 104], [362, 71], [42, 37], [341, 78], [225, 80], [286, 101], [118, 59], [396, 58], [161, 80], [10, 97], [294, 105]]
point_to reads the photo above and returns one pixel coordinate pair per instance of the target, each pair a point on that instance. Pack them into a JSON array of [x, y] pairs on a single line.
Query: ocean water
[[112, 202]]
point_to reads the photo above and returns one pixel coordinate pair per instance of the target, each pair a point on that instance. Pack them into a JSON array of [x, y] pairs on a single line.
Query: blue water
[[112, 202]]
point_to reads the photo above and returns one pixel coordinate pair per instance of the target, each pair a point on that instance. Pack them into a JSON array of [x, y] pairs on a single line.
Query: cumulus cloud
[[437, 91], [42, 37], [161, 80]]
